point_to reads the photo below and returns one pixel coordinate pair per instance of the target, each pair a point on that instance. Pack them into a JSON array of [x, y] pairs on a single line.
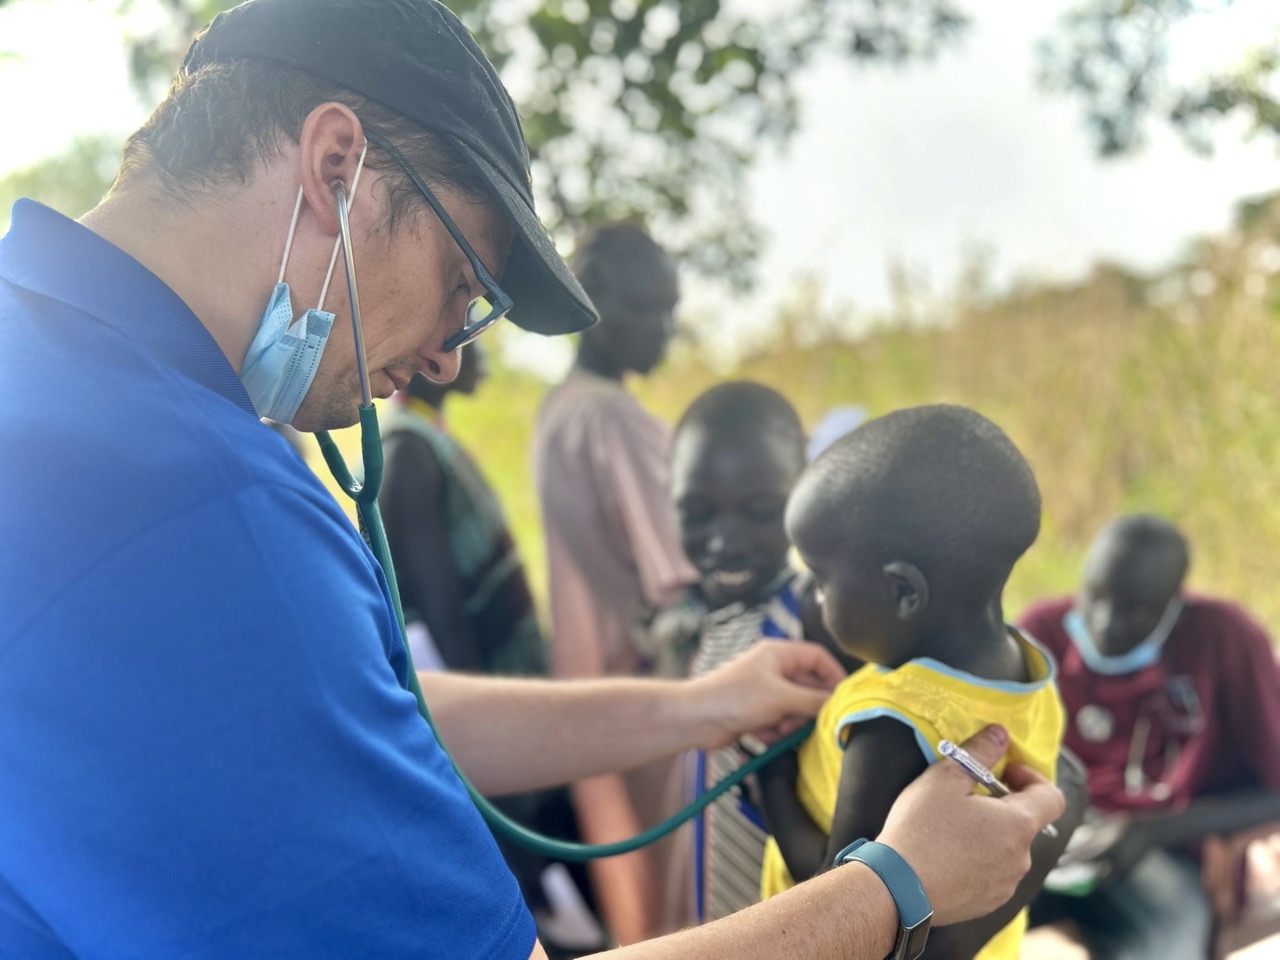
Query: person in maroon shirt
[[1173, 705]]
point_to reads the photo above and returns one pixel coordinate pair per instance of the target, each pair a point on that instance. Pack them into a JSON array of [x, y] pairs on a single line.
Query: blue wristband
[[914, 910]]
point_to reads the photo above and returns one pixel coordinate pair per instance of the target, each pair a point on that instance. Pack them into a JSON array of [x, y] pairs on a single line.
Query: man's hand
[[771, 690], [970, 851]]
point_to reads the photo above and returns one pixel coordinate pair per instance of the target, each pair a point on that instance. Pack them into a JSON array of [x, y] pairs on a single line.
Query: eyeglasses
[[482, 312]]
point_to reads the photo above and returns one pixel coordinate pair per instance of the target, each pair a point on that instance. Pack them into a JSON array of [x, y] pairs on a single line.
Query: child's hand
[[771, 690]]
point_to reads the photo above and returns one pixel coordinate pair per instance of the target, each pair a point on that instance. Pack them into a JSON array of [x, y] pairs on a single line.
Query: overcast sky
[[917, 164], [913, 165]]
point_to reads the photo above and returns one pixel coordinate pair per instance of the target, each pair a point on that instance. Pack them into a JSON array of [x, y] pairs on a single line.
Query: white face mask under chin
[[285, 354]]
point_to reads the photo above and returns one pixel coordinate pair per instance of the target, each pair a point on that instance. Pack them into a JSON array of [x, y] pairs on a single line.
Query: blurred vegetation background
[[1127, 393]]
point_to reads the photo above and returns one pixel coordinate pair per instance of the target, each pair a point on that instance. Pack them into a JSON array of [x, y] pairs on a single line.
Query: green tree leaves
[[657, 110], [647, 109], [71, 183], [1114, 56]]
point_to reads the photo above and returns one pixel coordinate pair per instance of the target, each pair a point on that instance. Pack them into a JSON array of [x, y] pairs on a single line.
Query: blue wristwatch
[[914, 910]]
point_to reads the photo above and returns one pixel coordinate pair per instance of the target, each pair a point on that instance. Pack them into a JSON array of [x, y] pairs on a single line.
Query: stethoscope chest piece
[[1095, 724]]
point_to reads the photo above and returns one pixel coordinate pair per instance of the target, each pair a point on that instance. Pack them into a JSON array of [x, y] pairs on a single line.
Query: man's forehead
[[1132, 571]]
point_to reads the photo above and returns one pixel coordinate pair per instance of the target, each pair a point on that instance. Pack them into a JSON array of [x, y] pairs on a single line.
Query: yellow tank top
[[937, 702]]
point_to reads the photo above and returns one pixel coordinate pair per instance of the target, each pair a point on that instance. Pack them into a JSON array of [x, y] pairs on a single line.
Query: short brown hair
[[216, 122]]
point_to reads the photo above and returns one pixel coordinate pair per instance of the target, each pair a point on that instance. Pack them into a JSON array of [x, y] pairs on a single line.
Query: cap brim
[[546, 295]]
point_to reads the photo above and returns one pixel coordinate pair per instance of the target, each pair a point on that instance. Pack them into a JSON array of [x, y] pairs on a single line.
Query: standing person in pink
[[1173, 705], [613, 554]]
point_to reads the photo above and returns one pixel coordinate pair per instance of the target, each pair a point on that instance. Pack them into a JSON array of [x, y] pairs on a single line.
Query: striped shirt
[[729, 836]]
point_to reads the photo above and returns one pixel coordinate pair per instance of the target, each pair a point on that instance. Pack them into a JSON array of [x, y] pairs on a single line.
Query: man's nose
[[440, 366]]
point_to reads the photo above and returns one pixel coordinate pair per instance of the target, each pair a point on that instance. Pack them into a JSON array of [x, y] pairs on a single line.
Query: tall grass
[[1126, 394]]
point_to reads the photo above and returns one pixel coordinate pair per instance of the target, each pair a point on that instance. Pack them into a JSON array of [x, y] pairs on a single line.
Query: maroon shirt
[[1205, 719]]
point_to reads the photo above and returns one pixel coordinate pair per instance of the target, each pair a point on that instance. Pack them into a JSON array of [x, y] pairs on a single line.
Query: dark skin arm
[[966, 939], [1229, 813], [1125, 845], [412, 504], [881, 758]]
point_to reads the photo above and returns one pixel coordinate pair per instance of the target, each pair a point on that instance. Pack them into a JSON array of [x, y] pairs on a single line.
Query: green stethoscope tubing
[[365, 495]]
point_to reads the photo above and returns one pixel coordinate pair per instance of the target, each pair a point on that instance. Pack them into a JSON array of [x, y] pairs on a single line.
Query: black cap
[[416, 58]]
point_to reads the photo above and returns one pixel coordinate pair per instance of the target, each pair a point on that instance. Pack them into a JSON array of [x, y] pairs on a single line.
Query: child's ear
[[910, 589]]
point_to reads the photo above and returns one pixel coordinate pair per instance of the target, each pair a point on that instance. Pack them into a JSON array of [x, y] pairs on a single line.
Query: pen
[[982, 775]]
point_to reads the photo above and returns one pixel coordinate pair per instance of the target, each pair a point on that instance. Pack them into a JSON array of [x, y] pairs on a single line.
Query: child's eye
[[692, 514], [764, 511]]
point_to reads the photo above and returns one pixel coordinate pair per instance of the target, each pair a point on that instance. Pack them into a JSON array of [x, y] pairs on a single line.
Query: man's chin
[[313, 421]]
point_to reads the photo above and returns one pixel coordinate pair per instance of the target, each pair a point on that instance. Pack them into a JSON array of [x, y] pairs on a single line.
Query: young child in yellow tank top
[[911, 526]]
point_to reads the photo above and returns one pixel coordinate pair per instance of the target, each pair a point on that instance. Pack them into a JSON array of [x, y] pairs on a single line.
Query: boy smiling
[[738, 451]]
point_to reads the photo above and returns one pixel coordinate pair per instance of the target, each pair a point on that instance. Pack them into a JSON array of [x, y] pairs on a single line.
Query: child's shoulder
[[937, 702], [869, 686], [926, 688]]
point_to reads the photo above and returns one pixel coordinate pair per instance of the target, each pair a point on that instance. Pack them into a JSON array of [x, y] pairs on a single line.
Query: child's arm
[[881, 753], [801, 842], [966, 939], [880, 759]]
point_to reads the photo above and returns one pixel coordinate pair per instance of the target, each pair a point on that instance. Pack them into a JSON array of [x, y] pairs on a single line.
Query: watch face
[[912, 940]]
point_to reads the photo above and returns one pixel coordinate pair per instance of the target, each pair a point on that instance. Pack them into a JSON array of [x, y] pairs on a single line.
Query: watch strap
[[914, 910]]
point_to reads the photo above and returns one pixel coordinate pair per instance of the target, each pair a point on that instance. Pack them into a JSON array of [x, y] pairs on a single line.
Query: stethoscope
[[365, 494], [1175, 705]]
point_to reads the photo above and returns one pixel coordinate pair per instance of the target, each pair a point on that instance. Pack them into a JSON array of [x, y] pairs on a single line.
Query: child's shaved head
[[742, 409], [939, 487]]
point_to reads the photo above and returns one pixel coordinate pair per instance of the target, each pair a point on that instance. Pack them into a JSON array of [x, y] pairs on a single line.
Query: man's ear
[[329, 149], [909, 587]]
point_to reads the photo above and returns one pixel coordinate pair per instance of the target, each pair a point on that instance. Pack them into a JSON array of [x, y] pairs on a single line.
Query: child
[[911, 525], [738, 450]]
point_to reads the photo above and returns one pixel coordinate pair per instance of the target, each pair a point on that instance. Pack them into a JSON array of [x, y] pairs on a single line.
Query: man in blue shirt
[[206, 745]]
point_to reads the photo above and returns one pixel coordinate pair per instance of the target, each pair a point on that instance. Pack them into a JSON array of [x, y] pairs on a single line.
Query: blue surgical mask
[[1143, 655], [285, 354]]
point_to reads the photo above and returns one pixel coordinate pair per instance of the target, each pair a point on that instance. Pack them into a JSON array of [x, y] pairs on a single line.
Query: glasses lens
[[478, 312], [481, 315]]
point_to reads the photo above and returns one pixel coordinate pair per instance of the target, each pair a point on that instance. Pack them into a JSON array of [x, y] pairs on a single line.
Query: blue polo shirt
[[206, 747]]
